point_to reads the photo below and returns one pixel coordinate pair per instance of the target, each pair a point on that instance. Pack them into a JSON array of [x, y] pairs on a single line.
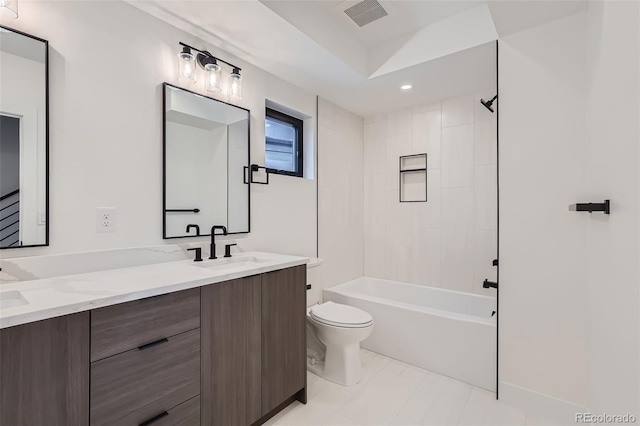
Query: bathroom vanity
[[224, 345]]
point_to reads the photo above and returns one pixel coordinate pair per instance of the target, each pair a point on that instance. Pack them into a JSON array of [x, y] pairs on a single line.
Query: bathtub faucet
[[489, 284]]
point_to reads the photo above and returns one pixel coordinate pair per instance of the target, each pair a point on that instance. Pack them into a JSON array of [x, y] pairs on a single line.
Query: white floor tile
[[342, 420], [284, 413], [325, 399], [484, 409], [439, 400], [311, 378], [366, 355], [370, 368], [386, 393], [395, 393], [538, 421]]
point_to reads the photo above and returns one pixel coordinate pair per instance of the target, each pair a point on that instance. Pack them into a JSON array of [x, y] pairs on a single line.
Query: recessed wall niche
[[413, 178]]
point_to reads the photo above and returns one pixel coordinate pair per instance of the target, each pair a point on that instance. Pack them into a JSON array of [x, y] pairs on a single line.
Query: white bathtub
[[448, 332]]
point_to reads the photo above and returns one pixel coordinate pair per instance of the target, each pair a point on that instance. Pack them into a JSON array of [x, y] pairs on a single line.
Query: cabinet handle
[[148, 345], [154, 419]]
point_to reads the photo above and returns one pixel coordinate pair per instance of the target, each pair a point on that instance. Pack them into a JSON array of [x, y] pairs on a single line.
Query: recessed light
[[406, 87]]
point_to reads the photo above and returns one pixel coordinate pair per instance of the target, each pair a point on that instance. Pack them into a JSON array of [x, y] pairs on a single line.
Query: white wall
[[613, 273], [341, 194], [543, 297], [569, 311], [449, 241], [106, 130]]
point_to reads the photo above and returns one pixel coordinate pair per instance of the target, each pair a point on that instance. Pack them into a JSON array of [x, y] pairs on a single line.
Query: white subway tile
[[326, 113], [427, 107], [457, 156], [374, 252], [458, 111], [426, 137], [399, 122], [425, 257], [374, 200], [485, 251], [457, 218], [427, 215], [486, 145], [485, 197], [457, 269]]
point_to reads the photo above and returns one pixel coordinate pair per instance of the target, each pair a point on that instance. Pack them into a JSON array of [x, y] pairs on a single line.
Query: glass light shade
[[213, 79], [186, 67], [9, 8], [235, 86]]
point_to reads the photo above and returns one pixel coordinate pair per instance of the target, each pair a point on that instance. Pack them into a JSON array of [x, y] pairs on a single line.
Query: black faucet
[[198, 251], [212, 247], [489, 284], [191, 225], [227, 249]]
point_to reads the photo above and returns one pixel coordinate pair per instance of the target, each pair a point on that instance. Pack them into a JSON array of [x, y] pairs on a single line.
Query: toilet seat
[[338, 315]]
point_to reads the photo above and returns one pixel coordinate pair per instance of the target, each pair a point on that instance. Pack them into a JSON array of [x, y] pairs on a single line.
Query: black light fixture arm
[[209, 55]]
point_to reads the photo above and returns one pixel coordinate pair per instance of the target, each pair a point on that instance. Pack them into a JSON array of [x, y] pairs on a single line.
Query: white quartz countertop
[[28, 301]]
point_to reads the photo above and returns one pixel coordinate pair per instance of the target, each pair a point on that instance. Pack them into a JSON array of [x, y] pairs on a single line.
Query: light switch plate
[[105, 219]]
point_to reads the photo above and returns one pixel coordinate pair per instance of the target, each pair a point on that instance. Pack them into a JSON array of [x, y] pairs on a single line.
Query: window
[[283, 153]]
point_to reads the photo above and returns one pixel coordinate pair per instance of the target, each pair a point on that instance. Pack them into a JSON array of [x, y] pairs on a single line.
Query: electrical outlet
[[105, 219]]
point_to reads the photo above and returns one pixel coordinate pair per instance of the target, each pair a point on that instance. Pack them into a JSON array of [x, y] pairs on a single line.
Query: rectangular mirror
[[206, 158], [24, 140]]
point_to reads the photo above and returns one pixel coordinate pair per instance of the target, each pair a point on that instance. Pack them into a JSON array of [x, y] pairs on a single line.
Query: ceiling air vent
[[366, 12]]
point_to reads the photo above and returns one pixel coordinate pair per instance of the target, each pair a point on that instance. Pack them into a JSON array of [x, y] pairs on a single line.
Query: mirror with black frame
[[206, 158], [24, 140]]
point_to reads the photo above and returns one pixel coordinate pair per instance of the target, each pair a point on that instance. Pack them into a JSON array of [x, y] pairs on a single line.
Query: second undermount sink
[[232, 262], [11, 299]]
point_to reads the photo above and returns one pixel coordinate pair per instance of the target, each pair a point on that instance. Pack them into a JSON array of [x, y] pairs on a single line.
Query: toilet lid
[[339, 315]]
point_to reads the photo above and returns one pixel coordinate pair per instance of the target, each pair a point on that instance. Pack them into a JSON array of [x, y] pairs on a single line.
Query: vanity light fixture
[[9, 7], [235, 89], [213, 79], [186, 66], [406, 87], [213, 71]]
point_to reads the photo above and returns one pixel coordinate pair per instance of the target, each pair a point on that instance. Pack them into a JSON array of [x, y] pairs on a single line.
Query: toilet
[[334, 333]]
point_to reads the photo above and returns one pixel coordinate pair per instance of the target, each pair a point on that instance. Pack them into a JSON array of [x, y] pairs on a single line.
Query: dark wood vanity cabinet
[[284, 336], [253, 346], [231, 348], [145, 359], [229, 354], [44, 372]]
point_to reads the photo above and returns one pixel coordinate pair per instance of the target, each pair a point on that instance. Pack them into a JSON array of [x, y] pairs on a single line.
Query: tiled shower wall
[[340, 194], [449, 241]]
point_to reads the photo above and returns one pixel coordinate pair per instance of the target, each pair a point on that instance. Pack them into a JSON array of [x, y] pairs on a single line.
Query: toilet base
[[341, 364]]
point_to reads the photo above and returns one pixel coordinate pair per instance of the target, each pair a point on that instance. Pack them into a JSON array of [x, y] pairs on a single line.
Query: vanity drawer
[[185, 414], [133, 387], [119, 328]]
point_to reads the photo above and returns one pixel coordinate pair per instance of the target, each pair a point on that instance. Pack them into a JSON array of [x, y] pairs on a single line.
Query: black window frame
[[299, 126]]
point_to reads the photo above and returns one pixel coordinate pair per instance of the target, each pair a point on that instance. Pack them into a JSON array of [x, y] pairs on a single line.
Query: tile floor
[[394, 393]]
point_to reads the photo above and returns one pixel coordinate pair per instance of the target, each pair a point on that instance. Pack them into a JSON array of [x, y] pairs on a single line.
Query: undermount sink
[[232, 262], [11, 299]]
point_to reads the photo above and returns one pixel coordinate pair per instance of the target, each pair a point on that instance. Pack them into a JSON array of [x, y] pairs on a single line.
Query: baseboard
[[539, 404]]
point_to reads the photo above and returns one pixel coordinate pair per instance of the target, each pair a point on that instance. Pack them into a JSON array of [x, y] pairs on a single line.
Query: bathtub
[[448, 332]]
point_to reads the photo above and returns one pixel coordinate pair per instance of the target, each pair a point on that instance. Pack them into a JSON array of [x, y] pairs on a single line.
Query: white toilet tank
[[313, 276]]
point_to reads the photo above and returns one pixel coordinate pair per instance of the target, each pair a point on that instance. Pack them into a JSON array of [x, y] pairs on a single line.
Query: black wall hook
[[592, 207]]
